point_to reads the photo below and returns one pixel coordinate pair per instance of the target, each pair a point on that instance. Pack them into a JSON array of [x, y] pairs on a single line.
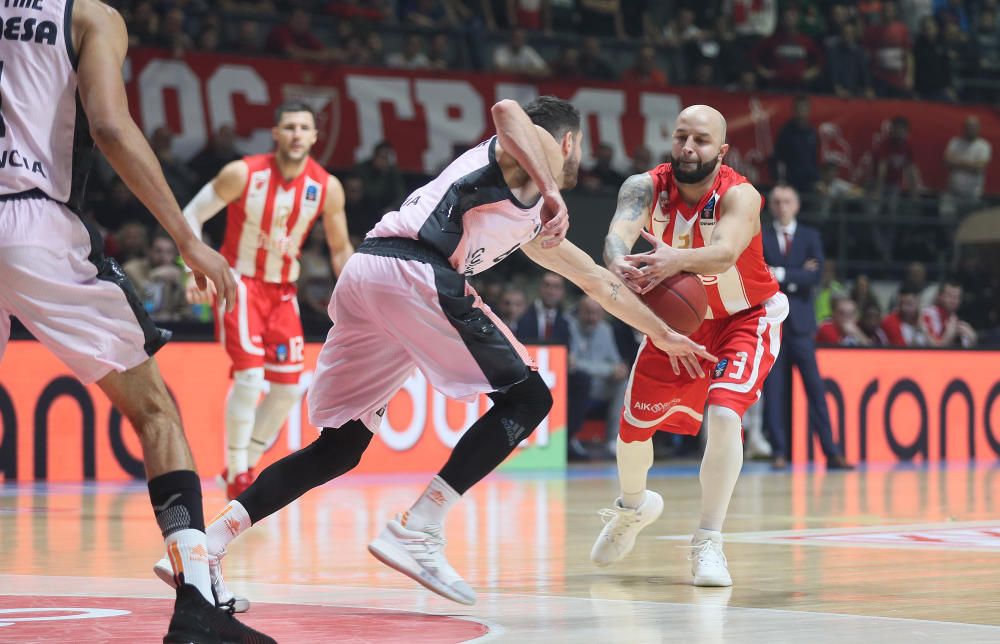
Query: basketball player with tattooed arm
[[701, 217], [403, 303], [273, 201], [56, 280]]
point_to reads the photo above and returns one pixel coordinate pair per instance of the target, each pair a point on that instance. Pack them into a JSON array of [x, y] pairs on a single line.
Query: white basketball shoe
[[708, 563], [223, 597], [419, 554], [621, 526]]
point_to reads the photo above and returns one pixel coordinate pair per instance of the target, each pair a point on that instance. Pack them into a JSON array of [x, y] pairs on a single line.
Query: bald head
[[705, 118], [699, 144]]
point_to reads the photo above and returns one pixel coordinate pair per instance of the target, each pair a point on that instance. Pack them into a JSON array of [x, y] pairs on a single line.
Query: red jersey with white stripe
[[267, 225], [747, 283]]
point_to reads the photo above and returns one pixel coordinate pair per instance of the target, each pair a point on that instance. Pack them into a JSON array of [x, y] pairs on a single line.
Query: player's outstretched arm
[[733, 232], [635, 200], [538, 154], [224, 189], [609, 291], [102, 42], [335, 226]]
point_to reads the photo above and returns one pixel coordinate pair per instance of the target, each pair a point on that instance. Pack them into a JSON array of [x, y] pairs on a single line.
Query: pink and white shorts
[[75, 301], [393, 315]]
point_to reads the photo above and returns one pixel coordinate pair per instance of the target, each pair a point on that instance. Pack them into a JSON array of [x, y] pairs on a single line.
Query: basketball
[[680, 301]]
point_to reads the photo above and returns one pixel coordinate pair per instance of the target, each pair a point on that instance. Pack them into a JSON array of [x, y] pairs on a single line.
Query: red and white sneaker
[[239, 484]]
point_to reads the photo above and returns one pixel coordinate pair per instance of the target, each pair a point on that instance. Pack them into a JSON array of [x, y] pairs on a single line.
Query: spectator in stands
[[210, 39], [559, 16], [842, 329], [914, 11], [752, 18], [362, 214], [682, 31], [890, 50], [594, 354], [567, 65], [644, 69], [795, 255], [861, 292], [592, 63], [428, 14], [601, 18], [848, 65], [512, 307], [796, 151], [412, 56], [788, 60], [641, 161], [940, 319], [829, 289], [120, 205], [544, 321], [870, 325], [143, 24], [131, 242], [728, 53], [915, 279], [158, 280], [832, 189], [967, 158], [904, 327], [247, 40], [953, 11], [601, 176], [518, 57], [221, 149], [382, 180], [960, 52], [295, 40], [895, 173], [525, 14], [180, 178], [932, 72], [441, 54], [172, 35]]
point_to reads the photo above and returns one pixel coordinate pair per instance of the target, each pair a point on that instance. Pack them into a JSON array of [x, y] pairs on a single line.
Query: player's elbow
[[106, 132], [504, 108]]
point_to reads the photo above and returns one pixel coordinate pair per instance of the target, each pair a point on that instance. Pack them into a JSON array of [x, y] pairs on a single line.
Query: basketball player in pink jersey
[[77, 302], [403, 303], [701, 217], [273, 201]]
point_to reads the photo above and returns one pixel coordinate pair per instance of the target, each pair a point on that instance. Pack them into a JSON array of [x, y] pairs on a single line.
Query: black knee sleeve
[[527, 403]]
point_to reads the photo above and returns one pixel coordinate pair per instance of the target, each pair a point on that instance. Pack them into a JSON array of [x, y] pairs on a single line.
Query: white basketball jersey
[[467, 213], [39, 136]]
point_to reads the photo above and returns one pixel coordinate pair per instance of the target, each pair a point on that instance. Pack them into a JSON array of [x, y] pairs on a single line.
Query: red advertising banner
[[430, 115], [55, 429], [891, 406]]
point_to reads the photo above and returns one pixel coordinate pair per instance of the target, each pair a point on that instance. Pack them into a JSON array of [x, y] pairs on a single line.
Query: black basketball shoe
[[196, 621]]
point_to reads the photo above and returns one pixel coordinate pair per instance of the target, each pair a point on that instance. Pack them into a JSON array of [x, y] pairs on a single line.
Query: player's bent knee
[[723, 418], [345, 444], [249, 378], [530, 400]]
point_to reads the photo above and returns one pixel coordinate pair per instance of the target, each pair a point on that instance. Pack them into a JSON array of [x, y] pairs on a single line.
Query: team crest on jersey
[[707, 217], [312, 193], [281, 352], [665, 205], [720, 368]]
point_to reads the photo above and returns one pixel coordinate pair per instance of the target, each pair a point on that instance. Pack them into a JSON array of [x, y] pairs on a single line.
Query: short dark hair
[[554, 115], [293, 106], [909, 289]]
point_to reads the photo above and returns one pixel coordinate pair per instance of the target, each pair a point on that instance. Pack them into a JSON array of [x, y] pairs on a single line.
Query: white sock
[[432, 506], [702, 534], [226, 526], [240, 409], [271, 415], [634, 461], [720, 467], [188, 555]]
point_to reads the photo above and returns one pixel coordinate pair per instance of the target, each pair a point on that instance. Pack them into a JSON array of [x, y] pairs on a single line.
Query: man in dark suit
[[544, 322], [795, 254]]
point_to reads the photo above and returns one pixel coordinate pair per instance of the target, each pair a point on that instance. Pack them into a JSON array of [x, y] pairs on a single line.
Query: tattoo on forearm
[[615, 286], [614, 247]]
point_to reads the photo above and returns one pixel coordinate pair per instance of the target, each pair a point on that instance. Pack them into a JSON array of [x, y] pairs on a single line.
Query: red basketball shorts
[[264, 330], [746, 345]]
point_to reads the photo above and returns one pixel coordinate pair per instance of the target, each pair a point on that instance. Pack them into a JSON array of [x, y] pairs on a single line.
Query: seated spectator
[[848, 65], [861, 292], [567, 65], [915, 278], [641, 161], [512, 307], [158, 280], [870, 325], [904, 327], [381, 178], [967, 158], [601, 176], [593, 355], [843, 329], [247, 40], [932, 69], [172, 35], [644, 70], [941, 319], [832, 188], [890, 50], [593, 66], [295, 40], [830, 288], [130, 242], [518, 57], [788, 60], [441, 54], [412, 56], [752, 18]]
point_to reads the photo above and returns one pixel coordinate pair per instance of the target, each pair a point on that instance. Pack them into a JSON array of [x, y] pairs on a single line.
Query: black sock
[[335, 452], [176, 499], [513, 417]]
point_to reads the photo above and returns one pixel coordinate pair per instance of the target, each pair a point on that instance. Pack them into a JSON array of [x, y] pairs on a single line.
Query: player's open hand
[[656, 265], [683, 351], [555, 219], [209, 267], [196, 295]]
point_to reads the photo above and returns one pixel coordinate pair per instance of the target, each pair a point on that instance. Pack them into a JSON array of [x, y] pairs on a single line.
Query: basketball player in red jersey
[[701, 217], [273, 201]]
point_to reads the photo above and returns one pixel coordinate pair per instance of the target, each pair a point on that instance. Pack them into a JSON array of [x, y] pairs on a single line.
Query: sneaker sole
[[393, 556], [642, 526], [709, 582], [166, 575]]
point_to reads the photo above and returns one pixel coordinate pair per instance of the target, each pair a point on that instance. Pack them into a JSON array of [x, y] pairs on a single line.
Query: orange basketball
[[680, 301]]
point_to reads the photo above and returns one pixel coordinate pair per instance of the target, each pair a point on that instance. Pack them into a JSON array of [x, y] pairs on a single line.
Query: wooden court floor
[[882, 555]]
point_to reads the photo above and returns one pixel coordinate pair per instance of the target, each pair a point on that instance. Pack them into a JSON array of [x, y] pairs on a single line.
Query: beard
[[697, 175]]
